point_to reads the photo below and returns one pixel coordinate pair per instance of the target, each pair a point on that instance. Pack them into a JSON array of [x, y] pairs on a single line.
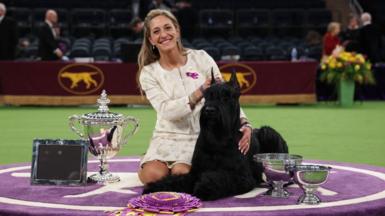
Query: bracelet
[[247, 125]]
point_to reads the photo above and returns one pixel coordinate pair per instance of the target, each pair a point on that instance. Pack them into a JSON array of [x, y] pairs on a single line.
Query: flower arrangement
[[346, 66]]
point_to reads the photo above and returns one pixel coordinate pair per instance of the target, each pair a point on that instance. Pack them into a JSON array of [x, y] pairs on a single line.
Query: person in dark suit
[[8, 35], [48, 34], [350, 35], [370, 39]]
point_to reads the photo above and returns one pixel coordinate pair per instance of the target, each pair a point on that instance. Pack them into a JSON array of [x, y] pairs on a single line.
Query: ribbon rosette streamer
[[160, 203]]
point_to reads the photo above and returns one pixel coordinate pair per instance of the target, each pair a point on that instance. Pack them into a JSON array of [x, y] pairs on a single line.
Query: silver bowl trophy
[[309, 177], [106, 132], [275, 167]]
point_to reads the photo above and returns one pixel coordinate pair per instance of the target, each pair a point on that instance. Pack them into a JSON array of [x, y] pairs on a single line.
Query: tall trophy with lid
[[106, 132]]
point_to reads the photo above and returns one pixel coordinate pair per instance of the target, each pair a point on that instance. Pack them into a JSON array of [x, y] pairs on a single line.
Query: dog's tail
[[271, 141], [265, 140], [176, 183]]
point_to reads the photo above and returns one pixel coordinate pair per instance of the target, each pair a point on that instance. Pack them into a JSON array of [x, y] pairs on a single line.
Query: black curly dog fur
[[218, 168]]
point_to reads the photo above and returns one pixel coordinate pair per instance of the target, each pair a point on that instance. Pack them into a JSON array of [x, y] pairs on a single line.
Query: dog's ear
[[233, 79], [212, 77]]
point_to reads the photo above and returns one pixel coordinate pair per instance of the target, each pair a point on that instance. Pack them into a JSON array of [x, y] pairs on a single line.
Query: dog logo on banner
[[247, 77], [80, 79]]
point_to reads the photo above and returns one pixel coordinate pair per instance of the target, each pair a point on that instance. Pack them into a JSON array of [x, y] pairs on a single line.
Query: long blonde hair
[[147, 54]]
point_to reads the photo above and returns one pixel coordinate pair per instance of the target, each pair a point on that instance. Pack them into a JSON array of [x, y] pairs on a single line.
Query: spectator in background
[[313, 38], [350, 35], [331, 40], [370, 39], [48, 38], [136, 27], [8, 35]]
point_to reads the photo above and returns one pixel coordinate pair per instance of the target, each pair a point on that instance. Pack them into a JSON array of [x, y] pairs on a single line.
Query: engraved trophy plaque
[[106, 132]]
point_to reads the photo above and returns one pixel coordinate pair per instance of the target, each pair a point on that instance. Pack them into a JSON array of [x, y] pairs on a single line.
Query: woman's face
[[163, 33], [336, 30]]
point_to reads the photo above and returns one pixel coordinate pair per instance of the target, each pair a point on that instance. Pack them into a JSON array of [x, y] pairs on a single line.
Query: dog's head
[[221, 108]]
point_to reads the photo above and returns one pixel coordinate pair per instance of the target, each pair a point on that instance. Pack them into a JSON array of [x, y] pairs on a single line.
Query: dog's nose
[[210, 110]]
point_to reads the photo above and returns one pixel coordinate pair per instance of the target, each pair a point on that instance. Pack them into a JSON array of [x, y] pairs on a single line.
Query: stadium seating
[[251, 29]]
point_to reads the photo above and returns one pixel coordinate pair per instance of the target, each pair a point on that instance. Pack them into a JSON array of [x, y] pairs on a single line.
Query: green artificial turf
[[322, 131]]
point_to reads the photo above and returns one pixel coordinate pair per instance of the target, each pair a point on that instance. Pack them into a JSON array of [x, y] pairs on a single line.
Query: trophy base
[[104, 179], [280, 193], [309, 199]]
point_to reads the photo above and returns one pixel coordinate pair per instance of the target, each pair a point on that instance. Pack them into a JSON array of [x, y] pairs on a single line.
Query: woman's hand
[[244, 143]]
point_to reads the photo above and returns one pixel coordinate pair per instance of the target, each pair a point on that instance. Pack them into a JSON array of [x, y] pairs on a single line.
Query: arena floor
[[318, 132]]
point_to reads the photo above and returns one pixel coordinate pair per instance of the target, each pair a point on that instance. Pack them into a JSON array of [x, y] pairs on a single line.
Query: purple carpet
[[351, 189]]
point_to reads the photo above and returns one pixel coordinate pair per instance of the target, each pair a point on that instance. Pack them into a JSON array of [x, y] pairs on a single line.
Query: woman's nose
[[162, 33]]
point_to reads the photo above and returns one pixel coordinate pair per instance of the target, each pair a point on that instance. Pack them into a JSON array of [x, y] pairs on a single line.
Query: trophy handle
[[74, 121], [134, 122]]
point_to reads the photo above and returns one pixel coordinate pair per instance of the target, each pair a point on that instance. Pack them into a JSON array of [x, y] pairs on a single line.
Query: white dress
[[177, 126]]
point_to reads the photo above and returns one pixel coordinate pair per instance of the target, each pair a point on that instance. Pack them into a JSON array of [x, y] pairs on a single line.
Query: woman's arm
[[169, 109]]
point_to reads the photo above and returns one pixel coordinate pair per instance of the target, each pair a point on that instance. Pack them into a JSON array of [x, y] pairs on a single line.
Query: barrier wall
[[64, 83]]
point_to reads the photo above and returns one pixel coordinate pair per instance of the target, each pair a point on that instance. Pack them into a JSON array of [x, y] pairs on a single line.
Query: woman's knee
[[153, 171], [180, 169]]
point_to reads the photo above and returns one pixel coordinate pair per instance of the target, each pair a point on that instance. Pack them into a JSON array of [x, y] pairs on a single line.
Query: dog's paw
[[204, 192]]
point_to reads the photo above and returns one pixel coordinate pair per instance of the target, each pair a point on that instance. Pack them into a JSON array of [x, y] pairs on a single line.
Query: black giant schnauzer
[[218, 168]]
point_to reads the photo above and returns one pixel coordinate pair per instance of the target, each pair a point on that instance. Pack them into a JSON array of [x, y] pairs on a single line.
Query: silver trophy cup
[[106, 132], [309, 177], [275, 167]]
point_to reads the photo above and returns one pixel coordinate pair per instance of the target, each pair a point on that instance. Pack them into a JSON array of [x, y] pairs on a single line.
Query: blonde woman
[[173, 79], [331, 40]]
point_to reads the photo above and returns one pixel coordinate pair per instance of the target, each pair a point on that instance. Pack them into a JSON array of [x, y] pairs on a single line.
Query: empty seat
[[215, 22], [101, 53], [23, 17], [119, 22], [214, 52], [252, 53], [84, 42], [218, 40], [80, 51], [253, 22], [196, 41], [224, 44], [314, 52], [236, 40], [242, 45], [186, 43], [276, 53], [288, 22], [318, 19], [230, 51], [118, 44], [88, 22]]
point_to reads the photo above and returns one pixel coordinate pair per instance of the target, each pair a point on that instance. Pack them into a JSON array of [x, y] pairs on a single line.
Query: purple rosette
[[165, 202], [192, 74]]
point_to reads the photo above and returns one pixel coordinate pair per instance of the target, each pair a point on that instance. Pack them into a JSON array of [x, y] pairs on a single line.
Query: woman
[[330, 39], [174, 79]]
